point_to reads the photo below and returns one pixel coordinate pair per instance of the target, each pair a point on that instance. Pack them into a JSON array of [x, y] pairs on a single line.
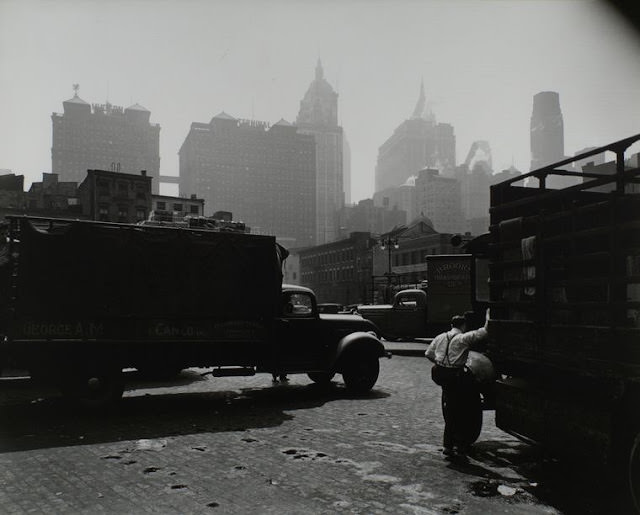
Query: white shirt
[[455, 352]]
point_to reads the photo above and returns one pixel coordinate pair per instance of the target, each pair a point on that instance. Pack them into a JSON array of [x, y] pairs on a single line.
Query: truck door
[[301, 343], [409, 316]]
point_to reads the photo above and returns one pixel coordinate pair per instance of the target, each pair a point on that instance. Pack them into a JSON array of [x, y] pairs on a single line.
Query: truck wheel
[[361, 372], [94, 389], [633, 473], [321, 377]]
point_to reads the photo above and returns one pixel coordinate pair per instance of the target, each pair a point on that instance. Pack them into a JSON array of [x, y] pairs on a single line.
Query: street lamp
[[389, 243]]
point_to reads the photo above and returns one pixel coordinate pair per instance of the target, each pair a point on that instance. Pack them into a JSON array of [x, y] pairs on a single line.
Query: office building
[[264, 174], [416, 143], [401, 197], [104, 137], [318, 116], [439, 199]]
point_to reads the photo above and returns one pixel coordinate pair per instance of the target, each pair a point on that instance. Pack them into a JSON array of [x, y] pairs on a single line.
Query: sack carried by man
[[446, 376]]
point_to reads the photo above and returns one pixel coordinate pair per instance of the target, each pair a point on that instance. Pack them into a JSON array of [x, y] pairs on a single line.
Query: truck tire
[[633, 473], [322, 378], [360, 372], [94, 389]]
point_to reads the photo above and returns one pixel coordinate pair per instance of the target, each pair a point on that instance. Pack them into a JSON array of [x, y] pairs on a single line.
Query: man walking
[[449, 351]]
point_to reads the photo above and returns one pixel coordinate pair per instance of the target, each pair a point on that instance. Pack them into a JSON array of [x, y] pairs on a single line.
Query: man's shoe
[[463, 450]]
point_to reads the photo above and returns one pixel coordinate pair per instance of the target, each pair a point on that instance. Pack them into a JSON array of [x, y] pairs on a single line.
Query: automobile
[[330, 308]]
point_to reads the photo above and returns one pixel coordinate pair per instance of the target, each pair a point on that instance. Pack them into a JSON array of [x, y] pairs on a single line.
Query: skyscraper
[[547, 130], [318, 116], [416, 143], [105, 137], [265, 175]]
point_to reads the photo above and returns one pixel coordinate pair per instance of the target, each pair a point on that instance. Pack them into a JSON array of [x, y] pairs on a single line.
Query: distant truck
[[419, 313], [81, 301], [564, 333]]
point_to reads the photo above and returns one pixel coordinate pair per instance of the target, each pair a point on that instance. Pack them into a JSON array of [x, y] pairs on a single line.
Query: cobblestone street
[[243, 445]]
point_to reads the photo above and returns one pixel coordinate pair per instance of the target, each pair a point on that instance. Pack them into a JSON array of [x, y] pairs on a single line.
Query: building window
[[123, 213], [177, 207], [194, 210], [103, 213], [161, 206], [103, 187]]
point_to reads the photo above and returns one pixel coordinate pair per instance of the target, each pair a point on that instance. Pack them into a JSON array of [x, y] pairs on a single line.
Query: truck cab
[[322, 345], [405, 317]]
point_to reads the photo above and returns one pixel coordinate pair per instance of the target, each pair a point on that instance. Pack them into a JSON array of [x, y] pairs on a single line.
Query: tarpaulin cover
[[86, 270]]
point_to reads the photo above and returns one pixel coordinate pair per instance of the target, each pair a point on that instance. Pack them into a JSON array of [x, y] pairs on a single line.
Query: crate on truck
[[80, 301], [565, 311]]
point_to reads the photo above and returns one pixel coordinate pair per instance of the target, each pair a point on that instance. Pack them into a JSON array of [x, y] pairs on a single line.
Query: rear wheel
[[321, 377], [94, 388], [361, 372]]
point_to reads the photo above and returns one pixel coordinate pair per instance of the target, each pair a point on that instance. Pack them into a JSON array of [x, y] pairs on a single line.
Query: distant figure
[[460, 399]]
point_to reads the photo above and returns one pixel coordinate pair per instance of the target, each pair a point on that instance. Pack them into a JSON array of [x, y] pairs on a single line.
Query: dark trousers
[[460, 404]]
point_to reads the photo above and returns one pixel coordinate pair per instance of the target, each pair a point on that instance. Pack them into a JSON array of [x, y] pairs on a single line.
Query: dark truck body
[[565, 305], [82, 300], [418, 313]]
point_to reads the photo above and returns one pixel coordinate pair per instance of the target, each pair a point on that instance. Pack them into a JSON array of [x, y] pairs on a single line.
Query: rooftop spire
[[319, 71], [419, 109]]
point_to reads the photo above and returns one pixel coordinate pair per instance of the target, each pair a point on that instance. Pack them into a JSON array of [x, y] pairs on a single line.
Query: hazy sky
[[185, 61]]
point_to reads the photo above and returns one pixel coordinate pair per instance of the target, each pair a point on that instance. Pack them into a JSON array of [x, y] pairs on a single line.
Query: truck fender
[[356, 343]]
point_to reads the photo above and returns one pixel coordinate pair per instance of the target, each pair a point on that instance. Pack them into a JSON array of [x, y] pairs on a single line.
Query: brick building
[[339, 271], [365, 216], [53, 196], [403, 263], [115, 196], [177, 207]]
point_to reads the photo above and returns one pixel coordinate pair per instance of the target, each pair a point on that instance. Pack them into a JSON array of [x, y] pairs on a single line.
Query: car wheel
[[321, 377], [361, 372]]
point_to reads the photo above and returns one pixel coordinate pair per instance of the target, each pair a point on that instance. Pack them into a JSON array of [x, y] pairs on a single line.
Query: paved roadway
[[243, 445]]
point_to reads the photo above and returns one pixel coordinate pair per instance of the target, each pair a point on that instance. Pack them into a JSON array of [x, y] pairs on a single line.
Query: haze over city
[[481, 63]]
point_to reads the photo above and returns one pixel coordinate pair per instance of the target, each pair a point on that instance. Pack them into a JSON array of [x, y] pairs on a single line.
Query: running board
[[231, 371]]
